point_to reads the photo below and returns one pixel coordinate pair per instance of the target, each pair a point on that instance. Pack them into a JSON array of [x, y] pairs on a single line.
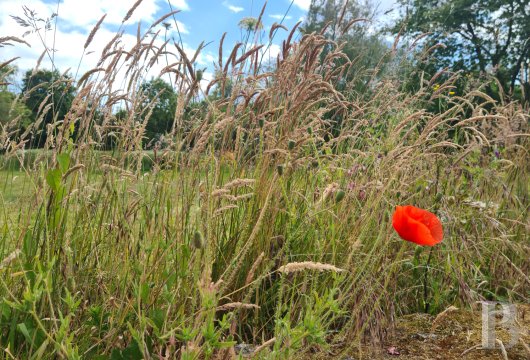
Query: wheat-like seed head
[[307, 265]]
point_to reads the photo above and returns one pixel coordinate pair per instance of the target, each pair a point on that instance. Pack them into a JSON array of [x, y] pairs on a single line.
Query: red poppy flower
[[417, 225]]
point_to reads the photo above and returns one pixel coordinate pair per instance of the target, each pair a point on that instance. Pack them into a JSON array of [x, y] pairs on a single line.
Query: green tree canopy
[[164, 100], [48, 94], [479, 35], [11, 108], [7, 73], [13, 112], [348, 23]]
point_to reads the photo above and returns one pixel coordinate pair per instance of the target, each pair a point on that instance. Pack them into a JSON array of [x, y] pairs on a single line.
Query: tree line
[[485, 40]]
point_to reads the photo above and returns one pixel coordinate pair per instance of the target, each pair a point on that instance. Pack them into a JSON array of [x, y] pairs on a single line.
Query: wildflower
[[417, 225], [250, 24], [362, 195], [353, 170], [451, 92], [497, 154], [436, 87], [351, 186]]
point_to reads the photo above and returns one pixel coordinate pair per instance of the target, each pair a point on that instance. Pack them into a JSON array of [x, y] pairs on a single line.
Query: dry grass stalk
[[253, 269], [265, 345], [164, 17], [307, 265], [224, 208], [237, 305], [4, 40], [86, 75], [238, 260], [525, 346], [10, 258], [503, 349], [131, 10], [439, 318], [93, 32], [220, 192], [239, 183]]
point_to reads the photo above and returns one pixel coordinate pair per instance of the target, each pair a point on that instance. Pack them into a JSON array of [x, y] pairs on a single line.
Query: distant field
[[32, 158], [14, 186]]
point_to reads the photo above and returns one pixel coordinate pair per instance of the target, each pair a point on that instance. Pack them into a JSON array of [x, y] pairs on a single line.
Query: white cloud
[[280, 16], [72, 32], [270, 53], [274, 50], [204, 59], [207, 59], [235, 9], [207, 77], [87, 13], [180, 4], [71, 35], [303, 4], [182, 28]]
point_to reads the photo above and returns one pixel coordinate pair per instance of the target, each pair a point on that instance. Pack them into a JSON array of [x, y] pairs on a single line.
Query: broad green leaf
[[28, 247], [64, 162], [53, 178], [24, 330]]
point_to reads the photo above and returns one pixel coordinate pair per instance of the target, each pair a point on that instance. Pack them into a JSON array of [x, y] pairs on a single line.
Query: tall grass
[[236, 232]]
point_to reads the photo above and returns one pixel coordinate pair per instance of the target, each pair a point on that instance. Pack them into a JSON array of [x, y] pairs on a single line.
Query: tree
[[347, 22], [12, 108], [478, 35], [163, 100], [14, 115], [50, 95], [7, 74]]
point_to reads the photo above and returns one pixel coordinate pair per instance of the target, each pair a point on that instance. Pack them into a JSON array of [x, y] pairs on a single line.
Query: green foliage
[[7, 74], [162, 101], [477, 36], [49, 97], [11, 108], [348, 24]]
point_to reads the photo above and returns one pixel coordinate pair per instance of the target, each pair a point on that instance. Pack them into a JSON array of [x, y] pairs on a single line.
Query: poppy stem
[[425, 282]]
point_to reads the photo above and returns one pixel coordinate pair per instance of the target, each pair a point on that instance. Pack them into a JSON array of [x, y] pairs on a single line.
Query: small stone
[[244, 349]]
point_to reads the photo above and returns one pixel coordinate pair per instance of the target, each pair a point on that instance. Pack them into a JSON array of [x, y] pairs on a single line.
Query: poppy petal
[[417, 225]]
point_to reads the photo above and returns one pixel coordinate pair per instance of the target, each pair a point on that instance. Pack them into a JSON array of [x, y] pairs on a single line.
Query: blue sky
[[199, 20], [206, 20]]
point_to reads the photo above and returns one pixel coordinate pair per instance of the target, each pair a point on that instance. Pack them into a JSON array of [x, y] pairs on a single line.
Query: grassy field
[[14, 185], [265, 228], [132, 264]]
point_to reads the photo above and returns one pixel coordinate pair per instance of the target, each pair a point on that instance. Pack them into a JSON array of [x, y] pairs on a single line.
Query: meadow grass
[[15, 184], [235, 232]]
